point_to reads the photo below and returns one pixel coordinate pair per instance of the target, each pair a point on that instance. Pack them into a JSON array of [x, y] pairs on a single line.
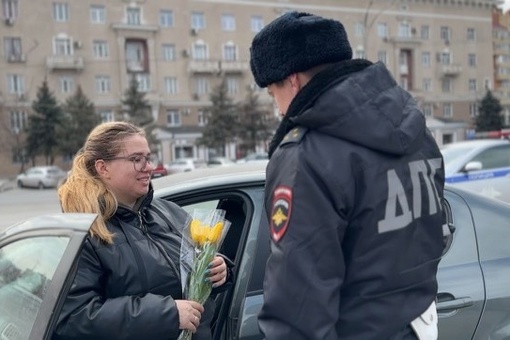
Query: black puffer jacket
[[354, 198], [126, 290]]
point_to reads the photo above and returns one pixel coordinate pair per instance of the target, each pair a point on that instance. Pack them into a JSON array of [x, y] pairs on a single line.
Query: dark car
[[473, 297]]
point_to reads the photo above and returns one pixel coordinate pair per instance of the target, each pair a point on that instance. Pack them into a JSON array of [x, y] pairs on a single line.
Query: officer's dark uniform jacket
[[126, 290], [353, 195]]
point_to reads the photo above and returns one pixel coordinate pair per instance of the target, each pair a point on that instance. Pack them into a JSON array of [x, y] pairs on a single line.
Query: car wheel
[[20, 184], [40, 186]]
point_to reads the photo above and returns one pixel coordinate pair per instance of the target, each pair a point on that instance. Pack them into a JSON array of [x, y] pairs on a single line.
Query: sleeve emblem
[[280, 212]]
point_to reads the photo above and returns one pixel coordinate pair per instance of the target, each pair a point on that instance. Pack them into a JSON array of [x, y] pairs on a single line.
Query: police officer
[[354, 192]]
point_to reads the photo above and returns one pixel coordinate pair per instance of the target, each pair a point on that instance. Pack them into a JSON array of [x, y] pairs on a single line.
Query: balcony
[[16, 58], [66, 62], [405, 40], [450, 70], [234, 66], [203, 66]]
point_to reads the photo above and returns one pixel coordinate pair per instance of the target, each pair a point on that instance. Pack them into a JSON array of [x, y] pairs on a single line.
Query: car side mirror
[[472, 166]]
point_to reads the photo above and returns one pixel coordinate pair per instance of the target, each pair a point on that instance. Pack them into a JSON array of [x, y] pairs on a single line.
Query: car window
[[452, 153], [27, 267], [495, 157]]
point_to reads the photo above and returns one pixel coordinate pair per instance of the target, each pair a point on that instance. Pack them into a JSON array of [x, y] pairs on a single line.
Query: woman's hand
[[218, 271], [190, 313]]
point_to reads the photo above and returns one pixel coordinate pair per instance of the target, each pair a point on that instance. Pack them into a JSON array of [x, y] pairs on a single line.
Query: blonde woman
[[127, 284]]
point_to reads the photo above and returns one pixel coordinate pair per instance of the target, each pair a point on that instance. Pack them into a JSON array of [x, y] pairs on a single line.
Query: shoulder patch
[[280, 212], [295, 135]]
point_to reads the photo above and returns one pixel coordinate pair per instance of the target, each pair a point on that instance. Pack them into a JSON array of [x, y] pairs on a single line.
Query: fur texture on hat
[[296, 42]]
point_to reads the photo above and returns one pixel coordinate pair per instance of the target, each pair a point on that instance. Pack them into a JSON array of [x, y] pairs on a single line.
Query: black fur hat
[[296, 42]]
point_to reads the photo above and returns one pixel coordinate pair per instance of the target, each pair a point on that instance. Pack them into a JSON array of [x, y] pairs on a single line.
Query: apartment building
[[501, 38], [179, 50]]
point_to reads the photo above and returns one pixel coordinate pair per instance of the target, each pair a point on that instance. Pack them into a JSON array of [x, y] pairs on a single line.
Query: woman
[[127, 284]]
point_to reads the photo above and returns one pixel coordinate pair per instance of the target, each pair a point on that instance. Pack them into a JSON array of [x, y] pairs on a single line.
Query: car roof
[[235, 174], [476, 143]]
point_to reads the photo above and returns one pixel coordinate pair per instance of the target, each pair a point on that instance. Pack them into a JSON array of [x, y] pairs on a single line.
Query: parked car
[[482, 166], [159, 171], [219, 161], [473, 296], [254, 157], [184, 165], [41, 177]]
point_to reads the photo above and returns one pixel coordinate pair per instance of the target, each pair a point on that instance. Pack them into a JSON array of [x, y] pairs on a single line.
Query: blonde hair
[[84, 191]]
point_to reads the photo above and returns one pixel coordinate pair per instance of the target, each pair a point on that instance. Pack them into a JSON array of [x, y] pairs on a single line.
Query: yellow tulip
[[215, 232]]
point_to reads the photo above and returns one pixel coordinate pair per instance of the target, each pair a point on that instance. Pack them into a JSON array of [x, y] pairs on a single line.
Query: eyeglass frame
[[133, 159]]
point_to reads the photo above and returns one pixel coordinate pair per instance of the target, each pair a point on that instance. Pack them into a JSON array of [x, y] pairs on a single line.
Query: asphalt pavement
[[6, 184]]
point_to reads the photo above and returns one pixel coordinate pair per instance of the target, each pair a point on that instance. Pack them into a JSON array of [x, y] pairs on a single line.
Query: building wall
[[37, 28]]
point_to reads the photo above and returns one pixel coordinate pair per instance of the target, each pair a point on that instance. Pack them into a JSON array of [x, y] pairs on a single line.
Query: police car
[[481, 165]]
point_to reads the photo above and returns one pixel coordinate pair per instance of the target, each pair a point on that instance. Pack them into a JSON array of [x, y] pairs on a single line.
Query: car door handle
[[446, 302]]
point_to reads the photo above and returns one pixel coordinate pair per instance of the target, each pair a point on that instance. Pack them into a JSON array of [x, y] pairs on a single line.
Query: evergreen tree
[[221, 126], [489, 117], [138, 111], [80, 119], [256, 122], [42, 137]]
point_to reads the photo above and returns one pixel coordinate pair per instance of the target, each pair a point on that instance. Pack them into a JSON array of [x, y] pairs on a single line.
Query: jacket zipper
[[158, 245]]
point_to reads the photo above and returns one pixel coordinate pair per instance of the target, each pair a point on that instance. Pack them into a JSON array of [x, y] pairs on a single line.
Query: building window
[[168, 52], [427, 85], [202, 118], [60, 12], [404, 30], [97, 14], [63, 47], [232, 86], [473, 109], [229, 52], [445, 33], [173, 118], [166, 18], [106, 116], [404, 83], [427, 110], [425, 32], [144, 81], [19, 121], [425, 59], [10, 9], [382, 56], [472, 60], [471, 34], [133, 16], [136, 59], [66, 84], [199, 51], [103, 84], [12, 49], [446, 85], [359, 53], [382, 30], [256, 23], [171, 85], [447, 110], [201, 86], [197, 20], [228, 22], [472, 85], [444, 58], [100, 48], [16, 84], [359, 29]]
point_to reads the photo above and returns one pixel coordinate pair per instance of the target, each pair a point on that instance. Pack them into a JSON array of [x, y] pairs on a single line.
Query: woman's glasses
[[139, 161]]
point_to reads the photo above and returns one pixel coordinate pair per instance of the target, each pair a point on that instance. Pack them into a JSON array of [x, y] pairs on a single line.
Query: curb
[[7, 185]]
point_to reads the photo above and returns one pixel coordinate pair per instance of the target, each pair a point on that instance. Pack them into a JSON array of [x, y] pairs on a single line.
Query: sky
[[506, 5]]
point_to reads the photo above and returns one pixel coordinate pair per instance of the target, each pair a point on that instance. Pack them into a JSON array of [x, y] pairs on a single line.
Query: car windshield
[[450, 154]]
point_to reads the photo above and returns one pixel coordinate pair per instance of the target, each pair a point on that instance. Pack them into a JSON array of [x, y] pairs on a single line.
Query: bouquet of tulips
[[201, 240]]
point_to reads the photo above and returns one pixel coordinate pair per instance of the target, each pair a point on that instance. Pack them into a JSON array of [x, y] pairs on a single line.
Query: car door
[[493, 180], [461, 292], [37, 258], [244, 207]]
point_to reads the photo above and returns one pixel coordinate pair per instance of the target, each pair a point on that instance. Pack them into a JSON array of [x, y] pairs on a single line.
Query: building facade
[[179, 50]]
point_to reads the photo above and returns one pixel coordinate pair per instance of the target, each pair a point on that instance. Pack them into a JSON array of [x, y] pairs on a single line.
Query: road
[[20, 204]]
